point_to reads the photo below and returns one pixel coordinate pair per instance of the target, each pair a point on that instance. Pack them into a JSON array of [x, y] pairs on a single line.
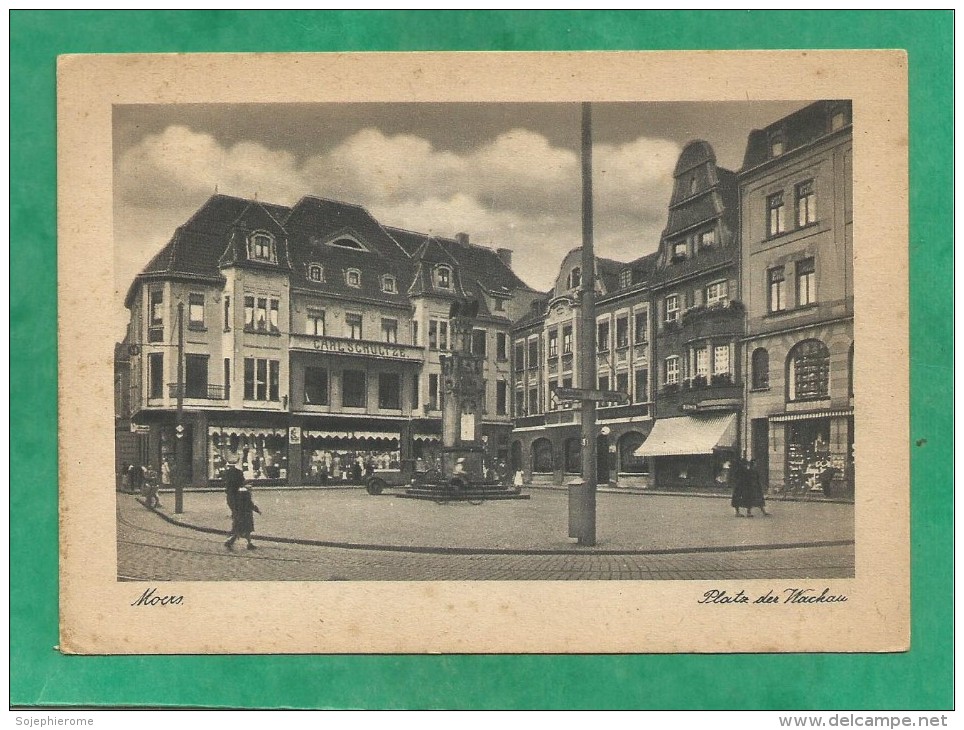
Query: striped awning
[[690, 435], [808, 415], [426, 437], [354, 435], [239, 431]]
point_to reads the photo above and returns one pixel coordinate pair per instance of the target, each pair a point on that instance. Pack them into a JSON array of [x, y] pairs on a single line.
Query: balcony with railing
[[197, 392]]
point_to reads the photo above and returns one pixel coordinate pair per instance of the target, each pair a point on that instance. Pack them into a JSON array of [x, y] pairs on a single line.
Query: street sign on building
[[602, 396], [140, 428]]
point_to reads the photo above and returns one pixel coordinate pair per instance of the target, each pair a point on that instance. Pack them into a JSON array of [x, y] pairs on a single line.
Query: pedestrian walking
[[135, 478], [738, 481], [242, 518], [518, 480], [233, 481], [151, 486], [166, 473], [754, 490]]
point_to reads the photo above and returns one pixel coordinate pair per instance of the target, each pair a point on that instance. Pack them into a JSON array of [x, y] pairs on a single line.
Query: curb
[[432, 550]]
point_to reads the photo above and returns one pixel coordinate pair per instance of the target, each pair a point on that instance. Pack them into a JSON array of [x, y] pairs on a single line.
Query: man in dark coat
[[738, 480], [233, 481], [754, 490], [242, 518]]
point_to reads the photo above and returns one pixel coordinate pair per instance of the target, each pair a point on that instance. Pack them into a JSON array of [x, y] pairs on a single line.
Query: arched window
[[808, 371], [316, 272], [573, 456], [542, 456], [629, 463], [353, 278], [443, 277], [261, 247], [760, 367]]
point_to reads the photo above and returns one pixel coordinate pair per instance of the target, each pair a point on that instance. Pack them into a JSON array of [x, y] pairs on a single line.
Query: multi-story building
[[311, 338], [797, 281], [546, 440], [698, 323]]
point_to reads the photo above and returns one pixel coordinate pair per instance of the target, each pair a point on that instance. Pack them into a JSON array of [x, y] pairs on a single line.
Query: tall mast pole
[[582, 503], [179, 450]]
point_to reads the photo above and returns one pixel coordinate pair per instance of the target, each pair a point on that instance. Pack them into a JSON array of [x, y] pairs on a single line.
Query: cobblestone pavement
[[149, 548]]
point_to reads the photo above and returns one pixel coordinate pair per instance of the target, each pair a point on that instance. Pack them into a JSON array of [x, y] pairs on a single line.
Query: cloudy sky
[[506, 174]]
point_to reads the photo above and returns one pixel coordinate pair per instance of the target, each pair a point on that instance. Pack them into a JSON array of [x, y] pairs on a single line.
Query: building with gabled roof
[[312, 336]]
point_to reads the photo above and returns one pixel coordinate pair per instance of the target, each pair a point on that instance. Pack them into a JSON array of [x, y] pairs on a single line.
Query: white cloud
[[516, 190]]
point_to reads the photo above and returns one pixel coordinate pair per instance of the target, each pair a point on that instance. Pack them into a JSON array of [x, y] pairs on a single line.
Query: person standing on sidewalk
[[754, 490], [242, 518], [739, 481]]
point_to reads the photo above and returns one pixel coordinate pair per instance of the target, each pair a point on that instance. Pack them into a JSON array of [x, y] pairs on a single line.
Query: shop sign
[[371, 349], [140, 428], [294, 435]]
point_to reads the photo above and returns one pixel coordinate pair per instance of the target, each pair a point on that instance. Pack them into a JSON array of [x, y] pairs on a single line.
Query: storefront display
[[261, 454], [332, 457]]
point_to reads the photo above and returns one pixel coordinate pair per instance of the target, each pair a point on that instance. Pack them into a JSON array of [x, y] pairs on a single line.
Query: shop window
[[533, 354], [542, 456], [622, 332], [353, 278], [760, 365], [195, 309], [316, 272], [629, 463], [672, 307], [776, 214], [354, 389], [642, 386], [777, 282], [553, 343], [353, 326], [196, 376], [389, 285], [478, 342], [389, 391], [315, 322], [261, 247], [573, 456], [806, 282], [808, 366], [390, 330], [155, 374], [602, 336], [433, 392], [806, 199], [316, 386], [501, 345], [258, 455], [155, 330], [501, 398]]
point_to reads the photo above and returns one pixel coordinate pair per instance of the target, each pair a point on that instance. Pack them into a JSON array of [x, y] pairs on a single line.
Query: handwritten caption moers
[[802, 596]]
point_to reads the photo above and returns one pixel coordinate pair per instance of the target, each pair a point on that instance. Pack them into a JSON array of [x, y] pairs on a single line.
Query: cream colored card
[[101, 613]]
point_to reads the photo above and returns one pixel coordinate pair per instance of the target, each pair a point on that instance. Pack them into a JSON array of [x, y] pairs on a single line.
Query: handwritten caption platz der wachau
[[803, 596]]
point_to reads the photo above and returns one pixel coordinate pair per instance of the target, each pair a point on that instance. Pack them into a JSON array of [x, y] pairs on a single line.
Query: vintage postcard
[[484, 352]]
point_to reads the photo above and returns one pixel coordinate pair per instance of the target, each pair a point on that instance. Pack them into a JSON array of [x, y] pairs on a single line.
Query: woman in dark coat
[[242, 518], [754, 490], [739, 481]]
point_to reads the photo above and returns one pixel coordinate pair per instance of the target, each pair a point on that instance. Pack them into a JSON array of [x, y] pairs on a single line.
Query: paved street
[[640, 537]]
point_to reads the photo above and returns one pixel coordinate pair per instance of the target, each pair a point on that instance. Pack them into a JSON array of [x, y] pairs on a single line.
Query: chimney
[[505, 254], [462, 238]]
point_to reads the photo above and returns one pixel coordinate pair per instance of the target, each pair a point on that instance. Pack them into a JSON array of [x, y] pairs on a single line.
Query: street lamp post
[[582, 498], [179, 450]]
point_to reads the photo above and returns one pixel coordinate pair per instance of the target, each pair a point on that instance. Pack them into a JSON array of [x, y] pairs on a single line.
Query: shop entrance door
[[760, 439]]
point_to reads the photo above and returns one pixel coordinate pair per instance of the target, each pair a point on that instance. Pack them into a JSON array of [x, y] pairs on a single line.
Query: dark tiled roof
[[315, 223], [706, 259], [695, 153], [607, 270], [536, 313], [800, 128]]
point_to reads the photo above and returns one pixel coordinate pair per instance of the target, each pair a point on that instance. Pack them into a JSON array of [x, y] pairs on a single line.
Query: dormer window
[[443, 277], [679, 250], [261, 247], [838, 119], [575, 278], [777, 144], [316, 272], [693, 185], [349, 243], [353, 278], [625, 278], [389, 285], [707, 238]]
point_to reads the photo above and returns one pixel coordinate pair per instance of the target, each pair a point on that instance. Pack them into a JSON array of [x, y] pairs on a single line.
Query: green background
[[919, 679]]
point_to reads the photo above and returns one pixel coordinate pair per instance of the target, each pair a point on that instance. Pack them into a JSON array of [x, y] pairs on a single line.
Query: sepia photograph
[[482, 341], [466, 353]]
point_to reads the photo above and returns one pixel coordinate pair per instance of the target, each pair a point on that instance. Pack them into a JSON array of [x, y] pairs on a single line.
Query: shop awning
[[351, 435], [807, 415], [426, 437], [690, 435], [239, 431]]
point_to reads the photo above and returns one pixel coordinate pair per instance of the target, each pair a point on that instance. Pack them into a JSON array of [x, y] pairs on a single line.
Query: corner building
[[797, 278], [311, 340]]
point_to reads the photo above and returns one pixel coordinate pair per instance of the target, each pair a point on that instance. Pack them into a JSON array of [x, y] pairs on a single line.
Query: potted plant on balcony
[[699, 381], [722, 379], [670, 388]]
